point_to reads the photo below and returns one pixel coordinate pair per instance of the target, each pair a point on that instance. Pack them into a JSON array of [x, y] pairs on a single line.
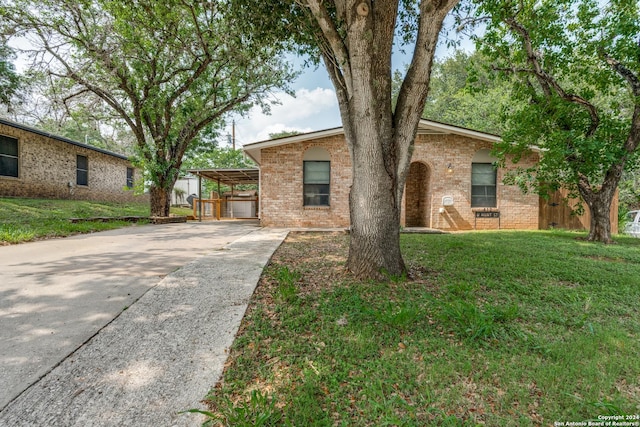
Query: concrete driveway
[[57, 294]]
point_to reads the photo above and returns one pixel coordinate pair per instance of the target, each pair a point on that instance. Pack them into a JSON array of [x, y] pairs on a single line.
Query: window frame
[[130, 177], [307, 194], [82, 173], [12, 157], [491, 200]]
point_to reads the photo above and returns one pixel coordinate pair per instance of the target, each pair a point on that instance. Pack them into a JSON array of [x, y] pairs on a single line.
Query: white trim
[[253, 149], [427, 126]]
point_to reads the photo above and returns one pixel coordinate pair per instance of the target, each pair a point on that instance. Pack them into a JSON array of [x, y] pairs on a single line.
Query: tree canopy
[[9, 79], [464, 92], [578, 80], [169, 69]]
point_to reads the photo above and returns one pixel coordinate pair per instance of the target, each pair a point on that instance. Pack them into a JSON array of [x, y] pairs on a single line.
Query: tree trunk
[[356, 49], [599, 204], [600, 227], [374, 249], [160, 200]]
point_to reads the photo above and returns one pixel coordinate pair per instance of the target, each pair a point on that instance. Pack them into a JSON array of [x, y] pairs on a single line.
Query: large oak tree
[[169, 68], [578, 64], [355, 39]]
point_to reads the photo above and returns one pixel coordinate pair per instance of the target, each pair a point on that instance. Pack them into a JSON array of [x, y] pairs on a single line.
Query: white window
[[483, 180], [316, 177]]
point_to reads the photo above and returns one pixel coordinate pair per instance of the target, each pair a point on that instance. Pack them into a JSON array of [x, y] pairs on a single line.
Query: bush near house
[[494, 328]]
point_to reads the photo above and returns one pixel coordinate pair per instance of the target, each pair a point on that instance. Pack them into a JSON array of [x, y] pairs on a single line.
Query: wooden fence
[[555, 212]]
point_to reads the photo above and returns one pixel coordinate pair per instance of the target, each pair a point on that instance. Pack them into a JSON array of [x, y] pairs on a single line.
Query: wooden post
[[199, 197], [231, 201]]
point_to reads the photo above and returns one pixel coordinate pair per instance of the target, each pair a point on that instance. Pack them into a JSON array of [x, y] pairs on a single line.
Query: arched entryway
[[417, 203]]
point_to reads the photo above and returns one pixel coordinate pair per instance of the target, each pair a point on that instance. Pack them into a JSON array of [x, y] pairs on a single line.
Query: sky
[[315, 106]]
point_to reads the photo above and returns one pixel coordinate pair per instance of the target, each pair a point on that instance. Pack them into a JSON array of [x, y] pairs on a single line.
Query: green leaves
[[9, 80], [575, 62]]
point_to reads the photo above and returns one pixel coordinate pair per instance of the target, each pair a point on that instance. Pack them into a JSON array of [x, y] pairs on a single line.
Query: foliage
[[493, 329], [23, 220], [169, 69], [630, 191], [217, 157], [283, 134], [464, 93], [578, 83], [9, 79]]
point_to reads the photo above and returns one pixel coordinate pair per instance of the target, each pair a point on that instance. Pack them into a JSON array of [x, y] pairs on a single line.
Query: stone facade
[[281, 187], [47, 169]]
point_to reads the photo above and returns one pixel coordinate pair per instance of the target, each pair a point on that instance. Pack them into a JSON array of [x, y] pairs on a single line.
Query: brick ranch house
[[37, 164], [452, 183]]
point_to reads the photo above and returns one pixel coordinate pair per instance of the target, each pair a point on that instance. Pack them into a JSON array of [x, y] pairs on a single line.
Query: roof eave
[[60, 138]]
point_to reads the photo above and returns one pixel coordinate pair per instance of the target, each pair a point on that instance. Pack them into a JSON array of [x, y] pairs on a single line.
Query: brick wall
[[517, 210], [281, 201], [281, 177], [47, 166]]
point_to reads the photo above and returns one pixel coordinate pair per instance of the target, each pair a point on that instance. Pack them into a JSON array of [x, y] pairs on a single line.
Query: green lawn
[[496, 328], [23, 220]]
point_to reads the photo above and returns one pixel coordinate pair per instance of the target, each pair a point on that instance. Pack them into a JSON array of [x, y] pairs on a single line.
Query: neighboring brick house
[[452, 183], [36, 164]]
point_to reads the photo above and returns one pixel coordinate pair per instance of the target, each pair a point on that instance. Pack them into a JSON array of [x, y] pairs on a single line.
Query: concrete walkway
[[61, 366]]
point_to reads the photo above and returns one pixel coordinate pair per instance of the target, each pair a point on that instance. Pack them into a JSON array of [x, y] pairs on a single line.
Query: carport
[[217, 208]]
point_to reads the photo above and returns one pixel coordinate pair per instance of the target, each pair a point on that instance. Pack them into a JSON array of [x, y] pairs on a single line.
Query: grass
[[23, 220], [495, 328]]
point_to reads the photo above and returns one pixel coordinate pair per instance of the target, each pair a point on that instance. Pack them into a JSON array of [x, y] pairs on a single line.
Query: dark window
[[483, 185], [316, 183], [82, 170], [8, 156], [129, 177]]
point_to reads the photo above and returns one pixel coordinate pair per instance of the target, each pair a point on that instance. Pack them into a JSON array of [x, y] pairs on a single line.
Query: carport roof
[[229, 176]]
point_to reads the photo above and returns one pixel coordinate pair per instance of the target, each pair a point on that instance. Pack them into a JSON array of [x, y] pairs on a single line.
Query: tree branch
[[339, 52], [625, 73], [547, 82]]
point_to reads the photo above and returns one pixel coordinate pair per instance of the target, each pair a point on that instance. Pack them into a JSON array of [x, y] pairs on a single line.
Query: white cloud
[[309, 110]]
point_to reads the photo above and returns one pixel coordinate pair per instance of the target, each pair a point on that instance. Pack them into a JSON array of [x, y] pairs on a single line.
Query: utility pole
[[233, 134]]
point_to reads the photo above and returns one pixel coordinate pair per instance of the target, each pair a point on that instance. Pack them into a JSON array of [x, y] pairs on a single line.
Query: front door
[[417, 202]]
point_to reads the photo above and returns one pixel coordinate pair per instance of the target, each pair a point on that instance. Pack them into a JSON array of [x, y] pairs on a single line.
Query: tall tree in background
[[355, 39], [169, 68], [578, 67], [463, 92], [9, 80], [52, 105]]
